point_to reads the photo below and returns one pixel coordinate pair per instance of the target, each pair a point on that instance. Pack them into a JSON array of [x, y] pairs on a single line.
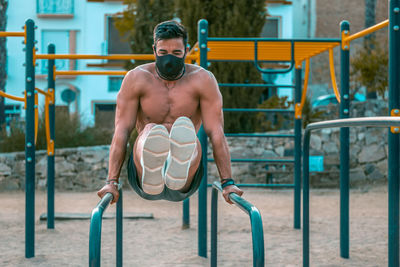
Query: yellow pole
[[81, 72], [16, 98], [12, 34], [36, 116], [43, 92], [109, 57], [333, 76], [299, 106], [367, 31]]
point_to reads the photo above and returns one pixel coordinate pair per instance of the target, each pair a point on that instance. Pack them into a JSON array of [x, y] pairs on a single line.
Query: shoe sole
[[182, 147], [154, 155]]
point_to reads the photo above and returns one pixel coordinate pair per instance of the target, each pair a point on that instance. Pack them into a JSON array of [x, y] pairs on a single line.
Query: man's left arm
[[213, 123]]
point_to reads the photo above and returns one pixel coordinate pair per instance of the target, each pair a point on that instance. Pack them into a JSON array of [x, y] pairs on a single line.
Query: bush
[[69, 132]]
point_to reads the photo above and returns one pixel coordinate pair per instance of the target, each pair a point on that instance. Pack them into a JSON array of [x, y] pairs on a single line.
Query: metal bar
[[262, 185], [279, 161], [12, 34], [119, 230], [367, 31], [214, 227], [99, 72], [351, 122], [260, 135], [333, 76], [257, 232], [254, 85], [202, 223], [30, 142], [344, 147], [322, 40], [95, 230], [297, 156], [40, 91], [16, 98], [51, 83], [393, 138], [109, 57], [257, 110], [269, 71], [186, 214]]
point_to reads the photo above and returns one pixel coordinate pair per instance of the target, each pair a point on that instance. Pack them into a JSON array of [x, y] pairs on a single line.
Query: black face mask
[[170, 67]]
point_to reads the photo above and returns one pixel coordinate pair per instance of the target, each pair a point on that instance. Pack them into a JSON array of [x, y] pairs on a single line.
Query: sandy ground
[[161, 242]]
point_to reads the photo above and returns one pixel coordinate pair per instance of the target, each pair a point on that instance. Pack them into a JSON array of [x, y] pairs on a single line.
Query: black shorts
[[166, 194]]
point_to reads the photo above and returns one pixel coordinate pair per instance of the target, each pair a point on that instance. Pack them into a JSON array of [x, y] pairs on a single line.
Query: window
[[104, 115], [271, 28], [117, 44], [114, 83], [51, 8], [65, 42]]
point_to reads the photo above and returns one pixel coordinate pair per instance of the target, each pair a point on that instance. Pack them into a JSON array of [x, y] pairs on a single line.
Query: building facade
[[87, 27]]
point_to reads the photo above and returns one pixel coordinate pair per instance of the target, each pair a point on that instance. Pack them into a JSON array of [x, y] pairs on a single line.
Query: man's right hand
[[109, 188]]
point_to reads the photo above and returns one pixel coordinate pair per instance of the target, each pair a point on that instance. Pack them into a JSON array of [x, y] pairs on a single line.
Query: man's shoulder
[[141, 71], [197, 71]]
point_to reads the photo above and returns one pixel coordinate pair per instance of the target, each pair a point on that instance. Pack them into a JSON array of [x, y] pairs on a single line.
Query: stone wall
[[85, 168]]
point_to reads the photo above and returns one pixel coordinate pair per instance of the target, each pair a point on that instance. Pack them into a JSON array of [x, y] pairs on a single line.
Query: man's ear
[[154, 49]]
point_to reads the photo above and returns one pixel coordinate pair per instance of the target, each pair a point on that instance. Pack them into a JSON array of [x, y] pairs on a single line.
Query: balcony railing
[[55, 7]]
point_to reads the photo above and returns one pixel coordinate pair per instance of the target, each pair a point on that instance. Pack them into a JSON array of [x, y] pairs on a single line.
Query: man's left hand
[[231, 189]]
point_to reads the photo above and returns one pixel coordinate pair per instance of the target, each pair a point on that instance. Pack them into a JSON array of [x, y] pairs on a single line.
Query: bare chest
[[163, 104]]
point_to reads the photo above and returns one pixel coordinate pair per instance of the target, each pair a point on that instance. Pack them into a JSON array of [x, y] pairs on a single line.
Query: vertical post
[[393, 138], [186, 214], [306, 200], [202, 234], [297, 151], [119, 230], [344, 142], [30, 142], [51, 85], [214, 227]]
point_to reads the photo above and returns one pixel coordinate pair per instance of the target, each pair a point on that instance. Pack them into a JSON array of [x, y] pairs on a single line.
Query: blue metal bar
[[269, 71], [297, 156], [202, 221], [95, 230], [50, 158], [344, 147], [263, 185], [315, 40], [119, 230], [254, 85], [353, 122], [257, 232], [279, 161], [186, 214], [260, 135], [393, 138], [257, 110], [30, 142], [214, 227]]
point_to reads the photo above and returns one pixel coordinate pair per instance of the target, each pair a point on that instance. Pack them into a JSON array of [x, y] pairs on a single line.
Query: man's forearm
[[117, 154], [221, 156]]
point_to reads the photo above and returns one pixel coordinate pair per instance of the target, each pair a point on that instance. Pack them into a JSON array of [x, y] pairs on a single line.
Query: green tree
[[138, 21], [369, 68], [3, 57], [230, 18]]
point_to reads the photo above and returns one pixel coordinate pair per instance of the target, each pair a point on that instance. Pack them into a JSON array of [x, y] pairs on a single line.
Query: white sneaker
[[183, 141], [155, 152]]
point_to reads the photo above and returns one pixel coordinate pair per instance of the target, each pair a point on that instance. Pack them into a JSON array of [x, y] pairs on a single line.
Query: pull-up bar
[[110, 57]]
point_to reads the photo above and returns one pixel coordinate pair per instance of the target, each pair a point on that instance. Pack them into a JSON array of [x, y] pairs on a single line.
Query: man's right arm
[[125, 120]]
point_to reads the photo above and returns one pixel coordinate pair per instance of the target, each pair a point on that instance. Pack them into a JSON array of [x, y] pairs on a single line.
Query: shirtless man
[[168, 101]]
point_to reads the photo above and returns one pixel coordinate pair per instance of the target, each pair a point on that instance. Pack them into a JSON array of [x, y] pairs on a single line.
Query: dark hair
[[168, 30]]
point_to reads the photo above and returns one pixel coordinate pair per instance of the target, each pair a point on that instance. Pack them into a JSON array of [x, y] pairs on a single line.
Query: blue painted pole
[[297, 154], [186, 214], [214, 227], [393, 138], [51, 85], [344, 145], [30, 142], [202, 233], [119, 230]]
